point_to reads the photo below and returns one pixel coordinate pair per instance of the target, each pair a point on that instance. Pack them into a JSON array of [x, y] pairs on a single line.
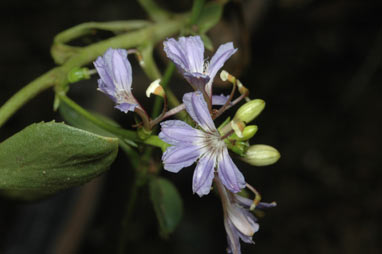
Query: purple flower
[[239, 222], [188, 55], [115, 71], [205, 145]]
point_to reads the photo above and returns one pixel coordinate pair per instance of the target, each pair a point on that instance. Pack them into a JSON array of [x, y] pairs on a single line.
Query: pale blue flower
[[205, 145], [188, 55], [115, 80], [239, 222]]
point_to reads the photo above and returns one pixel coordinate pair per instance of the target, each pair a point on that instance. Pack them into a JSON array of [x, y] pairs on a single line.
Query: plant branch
[[155, 12], [58, 76], [28, 92]]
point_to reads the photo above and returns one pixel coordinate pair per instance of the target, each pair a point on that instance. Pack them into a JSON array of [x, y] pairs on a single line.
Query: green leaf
[[75, 119], [209, 16], [167, 204], [207, 42], [47, 157]]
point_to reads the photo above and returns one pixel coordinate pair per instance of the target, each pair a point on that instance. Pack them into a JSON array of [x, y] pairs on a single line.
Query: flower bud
[[248, 132], [78, 74], [261, 155], [249, 110]]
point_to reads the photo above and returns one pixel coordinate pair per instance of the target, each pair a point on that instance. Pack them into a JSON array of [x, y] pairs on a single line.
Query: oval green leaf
[[167, 204], [48, 157], [209, 16]]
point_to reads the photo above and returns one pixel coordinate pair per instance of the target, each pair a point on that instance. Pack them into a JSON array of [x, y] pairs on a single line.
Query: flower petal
[[194, 48], [242, 220], [246, 238], [122, 73], [229, 174], [125, 107], [177, 157], [263, 205], [198, 81], [232, 237], [197, 107], [115, 73], [107, 89], [223, 53], [174, 132], [203, 175], [219, 99], [175, 52], [105, 83], [187, 53], [246, 203]]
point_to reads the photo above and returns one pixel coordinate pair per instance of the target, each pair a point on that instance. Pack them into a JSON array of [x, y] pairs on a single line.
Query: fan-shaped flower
[[188, 55], [239, 222], [205, 145]]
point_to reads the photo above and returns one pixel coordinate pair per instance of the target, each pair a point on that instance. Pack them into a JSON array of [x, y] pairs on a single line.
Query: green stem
[[26, 93], [168, 74], [57, 76], [153, 140], [89, 27], [113, 129]]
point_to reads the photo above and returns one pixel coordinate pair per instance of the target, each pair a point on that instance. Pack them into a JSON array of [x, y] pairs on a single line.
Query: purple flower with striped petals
[[205, 145], [115, 80], [239, 222], [188, 55]]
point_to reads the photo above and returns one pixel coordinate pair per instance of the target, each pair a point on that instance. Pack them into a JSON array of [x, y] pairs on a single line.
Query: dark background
[[317, 64]]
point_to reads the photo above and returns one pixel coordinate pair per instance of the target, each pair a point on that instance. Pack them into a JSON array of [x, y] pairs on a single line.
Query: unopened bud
[[249, 110], [155, 88], [261, 155], [78, 74], [248, 132]]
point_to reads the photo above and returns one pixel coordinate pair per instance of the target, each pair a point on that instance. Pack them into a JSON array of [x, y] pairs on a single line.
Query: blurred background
[[317, 64]]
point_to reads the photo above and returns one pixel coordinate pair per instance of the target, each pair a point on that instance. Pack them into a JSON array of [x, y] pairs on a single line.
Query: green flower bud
[[261, 155], [249, 110], [78, 74], [248, 132]]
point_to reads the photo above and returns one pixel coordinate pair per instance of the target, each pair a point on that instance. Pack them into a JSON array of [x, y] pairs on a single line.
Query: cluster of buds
[[238, 133]]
